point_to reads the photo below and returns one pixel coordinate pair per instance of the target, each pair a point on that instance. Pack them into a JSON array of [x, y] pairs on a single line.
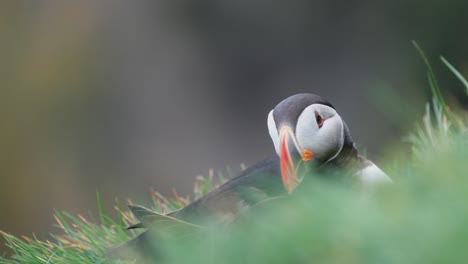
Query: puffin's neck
[[348, 154]]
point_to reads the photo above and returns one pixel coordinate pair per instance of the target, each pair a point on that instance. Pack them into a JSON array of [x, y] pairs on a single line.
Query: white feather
[[273, 131], [372, 175]]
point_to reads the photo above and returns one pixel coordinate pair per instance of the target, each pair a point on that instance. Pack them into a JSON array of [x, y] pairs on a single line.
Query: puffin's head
[[307, 132]]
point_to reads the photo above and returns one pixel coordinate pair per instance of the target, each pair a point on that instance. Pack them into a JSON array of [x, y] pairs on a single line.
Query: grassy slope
[[421, 218]]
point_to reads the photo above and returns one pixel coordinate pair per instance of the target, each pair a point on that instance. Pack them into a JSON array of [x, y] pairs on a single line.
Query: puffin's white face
[[319, 129], [318, 136]]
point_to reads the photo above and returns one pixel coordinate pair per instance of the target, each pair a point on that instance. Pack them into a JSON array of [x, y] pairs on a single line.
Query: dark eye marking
[[319, 119]]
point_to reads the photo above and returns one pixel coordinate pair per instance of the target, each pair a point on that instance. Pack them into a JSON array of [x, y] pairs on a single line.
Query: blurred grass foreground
[[421, 218]]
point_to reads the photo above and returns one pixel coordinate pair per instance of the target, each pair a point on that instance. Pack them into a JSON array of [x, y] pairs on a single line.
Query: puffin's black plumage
[[257, 183], [220, 206], [264, 179]]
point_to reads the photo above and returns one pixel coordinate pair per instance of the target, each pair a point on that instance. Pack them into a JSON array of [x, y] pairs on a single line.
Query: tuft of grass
[[421, 218], [439, 121], [85, 239]]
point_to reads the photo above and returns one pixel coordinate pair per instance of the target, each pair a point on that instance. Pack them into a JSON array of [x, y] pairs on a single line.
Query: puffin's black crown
[[287, 111]]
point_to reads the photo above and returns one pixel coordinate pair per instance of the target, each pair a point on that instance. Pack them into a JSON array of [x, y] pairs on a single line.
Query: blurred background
[[117, 96]]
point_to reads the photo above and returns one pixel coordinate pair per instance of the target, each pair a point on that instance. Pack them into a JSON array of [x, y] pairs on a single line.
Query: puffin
[[308, 136]]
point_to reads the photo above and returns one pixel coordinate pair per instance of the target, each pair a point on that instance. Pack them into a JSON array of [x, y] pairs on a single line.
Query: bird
[[308, 136]]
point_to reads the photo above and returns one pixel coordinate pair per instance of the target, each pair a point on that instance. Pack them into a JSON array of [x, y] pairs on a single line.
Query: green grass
[[85, 240], [421, 218]]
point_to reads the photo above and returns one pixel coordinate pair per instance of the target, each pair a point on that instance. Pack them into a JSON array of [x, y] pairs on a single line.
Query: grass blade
[[455, 72]]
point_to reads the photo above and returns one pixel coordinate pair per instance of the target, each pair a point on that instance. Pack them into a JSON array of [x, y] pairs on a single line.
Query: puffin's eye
[[319, 119]]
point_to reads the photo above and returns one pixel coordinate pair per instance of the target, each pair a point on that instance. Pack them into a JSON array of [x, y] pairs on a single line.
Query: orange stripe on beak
[[288, 173]]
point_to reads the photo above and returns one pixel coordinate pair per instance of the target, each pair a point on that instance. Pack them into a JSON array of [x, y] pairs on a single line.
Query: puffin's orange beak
[[290, 157]]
